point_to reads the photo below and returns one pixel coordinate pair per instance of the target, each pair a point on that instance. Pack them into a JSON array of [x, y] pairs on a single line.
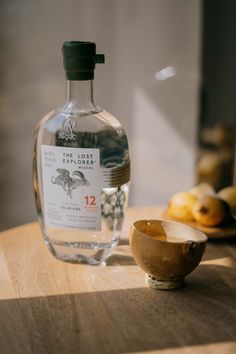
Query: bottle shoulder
[[93, 121], [108, 119], [100, 130]]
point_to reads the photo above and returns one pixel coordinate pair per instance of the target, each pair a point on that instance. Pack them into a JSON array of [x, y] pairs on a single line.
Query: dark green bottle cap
[[80, 59]]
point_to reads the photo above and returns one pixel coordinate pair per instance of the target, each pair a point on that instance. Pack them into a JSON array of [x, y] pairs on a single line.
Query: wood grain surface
[[47, 306]]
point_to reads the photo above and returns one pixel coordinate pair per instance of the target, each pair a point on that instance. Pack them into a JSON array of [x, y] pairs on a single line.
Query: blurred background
[[169, 78]]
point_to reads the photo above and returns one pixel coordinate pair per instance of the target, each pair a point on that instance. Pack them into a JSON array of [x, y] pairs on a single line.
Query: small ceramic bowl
[[166, 251]]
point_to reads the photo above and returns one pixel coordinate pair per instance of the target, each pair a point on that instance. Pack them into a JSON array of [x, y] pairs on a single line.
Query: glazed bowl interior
[[172, 231]]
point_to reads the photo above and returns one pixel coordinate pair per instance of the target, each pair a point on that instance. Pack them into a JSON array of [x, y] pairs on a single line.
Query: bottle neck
[[80, 95]]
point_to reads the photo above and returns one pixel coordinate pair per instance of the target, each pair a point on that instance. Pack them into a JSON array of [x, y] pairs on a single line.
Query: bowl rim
[[203, 239]]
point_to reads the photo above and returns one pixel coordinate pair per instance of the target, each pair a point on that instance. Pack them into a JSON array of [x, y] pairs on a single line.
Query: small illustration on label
[[67, 182], [67, 132]]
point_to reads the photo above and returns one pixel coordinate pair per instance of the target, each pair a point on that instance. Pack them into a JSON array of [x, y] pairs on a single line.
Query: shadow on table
[[120, 259], [220, 248], [124, 321], [123, 242]]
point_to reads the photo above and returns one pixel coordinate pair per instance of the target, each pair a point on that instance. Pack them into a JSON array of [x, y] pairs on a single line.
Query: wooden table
[[47, 306]]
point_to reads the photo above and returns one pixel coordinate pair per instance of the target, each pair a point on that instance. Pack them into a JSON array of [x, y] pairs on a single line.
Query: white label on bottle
[[72, 181]]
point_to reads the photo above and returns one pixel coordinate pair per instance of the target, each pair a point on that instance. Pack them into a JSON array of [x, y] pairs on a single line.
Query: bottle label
[[72, 182]]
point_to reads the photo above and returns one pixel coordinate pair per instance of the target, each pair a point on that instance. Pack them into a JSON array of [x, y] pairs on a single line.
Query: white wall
[[160, 116], [138, 38]]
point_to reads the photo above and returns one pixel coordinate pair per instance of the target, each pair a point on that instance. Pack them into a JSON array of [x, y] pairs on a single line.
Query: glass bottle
[[81, 168]]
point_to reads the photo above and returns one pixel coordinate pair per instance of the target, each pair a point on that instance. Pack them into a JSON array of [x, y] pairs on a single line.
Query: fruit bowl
[[166, 251], [201, 207]]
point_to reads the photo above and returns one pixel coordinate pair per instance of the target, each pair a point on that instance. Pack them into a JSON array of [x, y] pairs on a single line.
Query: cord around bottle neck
[[80, 95]]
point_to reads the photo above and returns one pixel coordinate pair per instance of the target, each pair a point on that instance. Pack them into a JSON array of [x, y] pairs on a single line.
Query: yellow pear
[[202, 189], [210, 210], [228, 194], [180, 206]]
